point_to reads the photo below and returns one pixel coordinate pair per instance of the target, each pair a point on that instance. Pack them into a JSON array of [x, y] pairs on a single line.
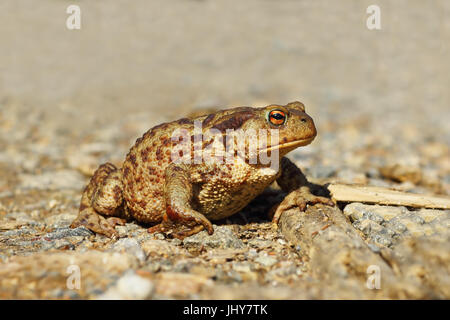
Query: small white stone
[[131, 246], [129, 286], [266, 261], [52, 203]]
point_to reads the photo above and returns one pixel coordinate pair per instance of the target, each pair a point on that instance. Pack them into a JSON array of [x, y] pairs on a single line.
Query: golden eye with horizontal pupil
[[277, 117]]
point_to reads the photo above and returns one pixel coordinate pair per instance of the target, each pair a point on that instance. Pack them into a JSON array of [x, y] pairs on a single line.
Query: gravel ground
[[71, 100]]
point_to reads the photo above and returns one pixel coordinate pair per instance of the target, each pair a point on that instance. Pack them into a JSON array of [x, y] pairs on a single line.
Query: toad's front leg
[[180, 220], [292, 180]]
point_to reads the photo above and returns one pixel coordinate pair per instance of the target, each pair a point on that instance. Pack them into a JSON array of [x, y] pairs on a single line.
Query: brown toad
[[164, 181]]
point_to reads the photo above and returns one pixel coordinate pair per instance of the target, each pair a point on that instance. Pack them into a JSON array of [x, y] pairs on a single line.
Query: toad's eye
[[277, 117]]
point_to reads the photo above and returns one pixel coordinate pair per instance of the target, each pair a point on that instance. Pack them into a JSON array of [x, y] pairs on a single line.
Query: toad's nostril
[[304, 120]]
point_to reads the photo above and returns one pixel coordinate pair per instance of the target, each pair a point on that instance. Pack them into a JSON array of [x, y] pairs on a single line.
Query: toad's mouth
[[291, 145]]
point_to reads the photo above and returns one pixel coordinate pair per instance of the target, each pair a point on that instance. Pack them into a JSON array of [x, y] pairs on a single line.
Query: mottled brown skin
[[182, 198]]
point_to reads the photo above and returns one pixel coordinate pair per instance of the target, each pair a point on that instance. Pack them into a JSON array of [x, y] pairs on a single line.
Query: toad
[[181, 175]]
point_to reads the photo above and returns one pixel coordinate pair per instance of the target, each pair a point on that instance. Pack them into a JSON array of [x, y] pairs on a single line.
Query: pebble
[[177, 284], [367, 226], [286, 268], [161, 247], [183, 265], [223, 237], [377, 213], [176, 242], [374, 248], [123, 231], [266, 261], [234, 276], [222, 255], [129, 287], [402, 173], [260, 243], [67, 232], [242, 266], [381, 240], [159, 236], [60, 220], [252, 253], [130, 246]]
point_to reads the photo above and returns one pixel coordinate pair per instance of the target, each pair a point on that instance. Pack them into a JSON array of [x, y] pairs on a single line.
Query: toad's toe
[[299, 198]]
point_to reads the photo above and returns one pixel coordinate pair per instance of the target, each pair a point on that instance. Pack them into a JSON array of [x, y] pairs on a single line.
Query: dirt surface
[[71, 100]]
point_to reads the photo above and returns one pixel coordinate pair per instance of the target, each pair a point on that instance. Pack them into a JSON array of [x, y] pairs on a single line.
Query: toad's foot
[[182, 224], [300, 198], [97, 223]]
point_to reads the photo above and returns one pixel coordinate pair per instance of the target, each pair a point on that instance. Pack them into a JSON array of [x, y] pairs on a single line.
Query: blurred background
[[378, 97]]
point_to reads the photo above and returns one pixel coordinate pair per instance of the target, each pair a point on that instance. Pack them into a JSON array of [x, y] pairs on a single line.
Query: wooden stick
[[356, 193]]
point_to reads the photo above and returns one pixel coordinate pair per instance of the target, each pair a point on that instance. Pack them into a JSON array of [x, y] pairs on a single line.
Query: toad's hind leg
[[102, 197]]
